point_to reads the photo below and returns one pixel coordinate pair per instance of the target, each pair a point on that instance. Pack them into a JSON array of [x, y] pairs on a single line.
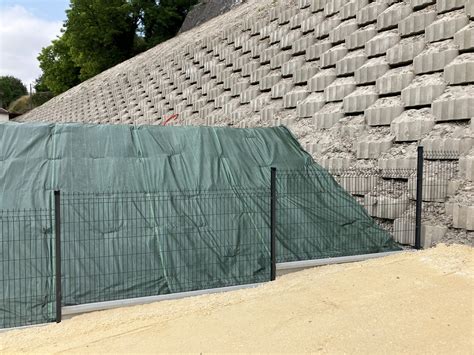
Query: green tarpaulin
[[152, 210]]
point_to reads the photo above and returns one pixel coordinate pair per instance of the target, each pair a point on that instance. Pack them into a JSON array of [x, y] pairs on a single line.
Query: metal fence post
[[273, 204], [57, 245], [419, 197]]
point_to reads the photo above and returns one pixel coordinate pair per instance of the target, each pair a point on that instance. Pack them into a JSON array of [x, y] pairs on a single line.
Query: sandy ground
[[409, 303]]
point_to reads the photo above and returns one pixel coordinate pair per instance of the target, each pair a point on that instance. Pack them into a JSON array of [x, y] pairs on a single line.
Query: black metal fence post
[[273, 204], [419, 197], [57, 244]]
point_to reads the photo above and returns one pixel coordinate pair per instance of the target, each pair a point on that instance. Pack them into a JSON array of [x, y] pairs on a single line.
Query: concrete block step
[[309, 105], [397, 168], [322, 80], [258, 75], [249, 94], [360, 99], [435, 188], [222, 100], [288, 40], [315, 51], [404, 229], [391, 17], [371, 71], [446, 148], [350, 9], [335, 164], [381, 43], [215, 92], [435, 57], [460, 70], [303, 4], [281, 88], [289, 68], [412, 125], [333, 6], [357, 185], [302, 75], [277, 35], [279, 59], [300, 46], [405, 51], [463, 216], [231, 106], [360, 37], [270, 80], [330, 57], [372, 148], [317, 5], [297, 20], [311, 22], [292, 98], [420, 4], [466, 167], [268, 114], [368, 14], [350, 63], [416, 23], [323, 28], [267, 54], [446, 26], [456, 103], [469, 8], [260, 102], [384, 111], [385, 206], [249, 68], [286, 15], [257, 51], [328, 115], [423, 90], [343, 30], [339, 89], [394, 81], [240, 62], [464, 38], [230, 81]]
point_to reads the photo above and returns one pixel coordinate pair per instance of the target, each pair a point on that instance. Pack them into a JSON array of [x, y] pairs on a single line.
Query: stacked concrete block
[[322, 28], [328, 115], [446, 26], [369, 72], [431, 234], [280, 89], [466, 167], [239, 87], [249, 68], [317, 5], [445, 148], [257, 76], [423, 90], [269, 113], [322, 80], [360, 99], [434, 188], [397, 168], [435, 57], [330, 57], [385, 207], [339, 89], [460, 70], [260, 102], [359, 38], [311, 22], [469, 9], [350, 63], [336, 164], [294, 97], [350, 9], [309, 105], [289, 68], [384, 111], [456, 103], [391, 17], [381, 43], [288, 40], [357, 185], [333, 6], [302, 75], [368, 14], [412, 125], [394, 81], [267, 82], [405, 51], [300, 46], [463, 216], [249, 94], [372, 148], [278, 60], [315, 51], [416, 23], [464, 38], [342, 31]]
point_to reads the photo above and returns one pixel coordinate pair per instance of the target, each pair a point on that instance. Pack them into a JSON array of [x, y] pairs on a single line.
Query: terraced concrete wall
[[360, 83]]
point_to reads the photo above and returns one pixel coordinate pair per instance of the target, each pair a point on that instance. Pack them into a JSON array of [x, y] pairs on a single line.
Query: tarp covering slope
[[163, 245]]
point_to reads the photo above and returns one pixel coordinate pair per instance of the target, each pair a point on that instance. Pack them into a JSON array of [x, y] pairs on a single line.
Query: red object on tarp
[[172, 117]]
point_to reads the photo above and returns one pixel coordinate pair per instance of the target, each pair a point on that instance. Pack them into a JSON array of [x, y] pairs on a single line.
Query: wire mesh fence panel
[[329, 216], [27, 289], [127, 245]]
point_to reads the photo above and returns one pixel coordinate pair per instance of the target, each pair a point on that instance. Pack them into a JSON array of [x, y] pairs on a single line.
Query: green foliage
[[99, 34], [60, 72], [11, 89]]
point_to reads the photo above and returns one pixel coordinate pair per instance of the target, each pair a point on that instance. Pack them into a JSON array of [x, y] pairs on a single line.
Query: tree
[[60, 72], [11, 88], [100, 33]]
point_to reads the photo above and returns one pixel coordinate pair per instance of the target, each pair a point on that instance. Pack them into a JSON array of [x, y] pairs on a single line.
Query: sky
[[26, 26]]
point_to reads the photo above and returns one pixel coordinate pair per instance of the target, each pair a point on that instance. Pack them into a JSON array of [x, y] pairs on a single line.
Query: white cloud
[[22, 35]]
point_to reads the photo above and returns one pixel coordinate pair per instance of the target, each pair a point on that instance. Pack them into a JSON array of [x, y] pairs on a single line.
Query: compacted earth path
[[413, 302]]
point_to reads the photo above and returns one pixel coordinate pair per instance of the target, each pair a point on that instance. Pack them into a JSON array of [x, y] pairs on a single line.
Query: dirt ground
[[408, 303]]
